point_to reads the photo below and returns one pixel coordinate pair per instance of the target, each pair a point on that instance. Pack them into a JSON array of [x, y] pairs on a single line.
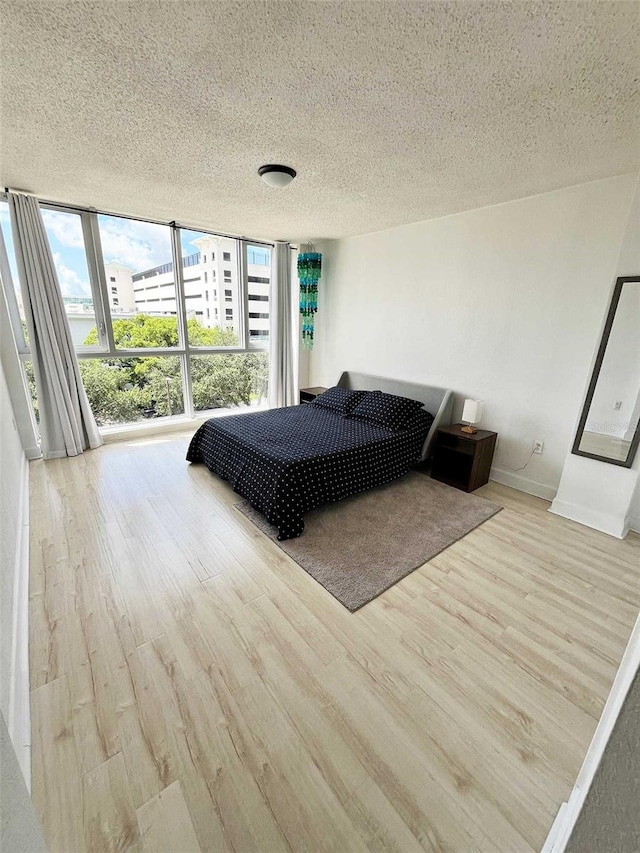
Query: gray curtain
[[282, 391], [67, 424]]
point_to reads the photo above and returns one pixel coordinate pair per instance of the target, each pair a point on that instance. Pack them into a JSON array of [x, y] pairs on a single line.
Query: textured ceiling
[[391, 112]]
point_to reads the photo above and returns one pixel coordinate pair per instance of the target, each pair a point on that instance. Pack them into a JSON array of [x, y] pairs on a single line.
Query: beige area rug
[[359, 547]]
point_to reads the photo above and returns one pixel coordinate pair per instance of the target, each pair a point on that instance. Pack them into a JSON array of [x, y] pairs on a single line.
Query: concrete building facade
[[211, 278], [120, 287]]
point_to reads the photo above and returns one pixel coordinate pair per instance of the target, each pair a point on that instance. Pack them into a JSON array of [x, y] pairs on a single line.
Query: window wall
[[163, 318], [10, 283], [258, 286], [66, 235], [9, 276]]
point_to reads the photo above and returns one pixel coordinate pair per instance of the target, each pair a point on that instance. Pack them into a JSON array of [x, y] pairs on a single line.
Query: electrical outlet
[[538, 446], [617, 405]]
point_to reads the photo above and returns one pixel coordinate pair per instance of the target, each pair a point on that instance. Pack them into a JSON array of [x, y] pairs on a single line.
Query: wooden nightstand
[[309, 394], [463, 459]]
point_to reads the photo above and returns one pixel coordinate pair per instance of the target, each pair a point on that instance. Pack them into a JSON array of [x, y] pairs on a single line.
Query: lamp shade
[[472, 411]]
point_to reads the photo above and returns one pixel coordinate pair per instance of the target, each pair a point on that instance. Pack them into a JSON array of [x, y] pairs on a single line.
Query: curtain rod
[[82, 209], [19, 191]]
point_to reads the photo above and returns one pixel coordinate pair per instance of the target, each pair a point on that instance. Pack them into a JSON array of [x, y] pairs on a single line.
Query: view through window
[[11, 283], [66, 238], [152, 343], [259, 281], [139, 277], [9, 274], [212, 289]]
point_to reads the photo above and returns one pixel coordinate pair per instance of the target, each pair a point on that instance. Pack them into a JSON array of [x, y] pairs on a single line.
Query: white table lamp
[[472, 414]]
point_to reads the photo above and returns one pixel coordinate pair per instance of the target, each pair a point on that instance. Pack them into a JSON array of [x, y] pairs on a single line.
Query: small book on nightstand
[[463, 459]]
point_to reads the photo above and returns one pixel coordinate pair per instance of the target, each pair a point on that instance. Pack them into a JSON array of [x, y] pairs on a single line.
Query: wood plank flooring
[[193, 689]]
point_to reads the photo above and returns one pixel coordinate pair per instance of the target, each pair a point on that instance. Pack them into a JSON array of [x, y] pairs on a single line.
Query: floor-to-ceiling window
[[13, 299], [165, 320]]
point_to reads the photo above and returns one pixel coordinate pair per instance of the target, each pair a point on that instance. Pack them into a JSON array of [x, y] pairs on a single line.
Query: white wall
[[503, 304], [19, 828], [634, 513], [18, 441], [15, 379], [14, 581], [598, 494], [12, 465]]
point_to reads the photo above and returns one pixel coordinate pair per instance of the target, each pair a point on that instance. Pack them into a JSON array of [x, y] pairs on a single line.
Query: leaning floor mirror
[[608, 428]]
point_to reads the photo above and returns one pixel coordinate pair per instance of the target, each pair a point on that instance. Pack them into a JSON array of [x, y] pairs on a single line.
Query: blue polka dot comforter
[[288, 461]]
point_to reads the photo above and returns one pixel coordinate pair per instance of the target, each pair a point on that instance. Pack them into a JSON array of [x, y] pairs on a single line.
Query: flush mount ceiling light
[[275, 175]]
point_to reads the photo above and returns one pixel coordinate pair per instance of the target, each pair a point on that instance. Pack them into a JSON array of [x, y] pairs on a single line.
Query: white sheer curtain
[[67, 424], [282, 391]]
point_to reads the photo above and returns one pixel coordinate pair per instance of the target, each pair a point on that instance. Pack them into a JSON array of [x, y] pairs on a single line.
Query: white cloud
[[66, 228], [70, 282], [138, 245]]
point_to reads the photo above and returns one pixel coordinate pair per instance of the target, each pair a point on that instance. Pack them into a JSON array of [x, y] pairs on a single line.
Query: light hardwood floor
[[193, 689], [605, 445]]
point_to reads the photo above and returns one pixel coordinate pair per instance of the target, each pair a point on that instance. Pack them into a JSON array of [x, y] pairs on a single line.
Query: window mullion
[[11, 300], [96, 272], [128, 352], [243, 296], [181, 309]]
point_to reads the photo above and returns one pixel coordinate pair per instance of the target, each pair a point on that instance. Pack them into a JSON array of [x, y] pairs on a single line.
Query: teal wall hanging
[[309, 270]]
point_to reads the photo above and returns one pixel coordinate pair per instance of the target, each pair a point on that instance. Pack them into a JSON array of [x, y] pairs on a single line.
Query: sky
[[8, 240], [138, 245]]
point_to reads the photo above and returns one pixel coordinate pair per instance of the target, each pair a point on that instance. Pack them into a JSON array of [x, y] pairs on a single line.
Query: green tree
[[219, 381], [31, 382], [140, 331], [133, 387], [144, 331], [216, 337], [112, 393]]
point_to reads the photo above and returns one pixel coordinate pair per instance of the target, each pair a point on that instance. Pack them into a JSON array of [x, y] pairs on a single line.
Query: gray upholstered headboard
[[438, 401]]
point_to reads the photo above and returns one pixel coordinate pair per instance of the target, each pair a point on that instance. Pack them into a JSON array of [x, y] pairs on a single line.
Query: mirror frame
[[624, 463]]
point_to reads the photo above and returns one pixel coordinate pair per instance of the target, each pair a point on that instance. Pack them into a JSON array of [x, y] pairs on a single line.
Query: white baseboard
[[601, 521], [522, 484], [19, 716], [634, 523], [556, 829], [567, 817]]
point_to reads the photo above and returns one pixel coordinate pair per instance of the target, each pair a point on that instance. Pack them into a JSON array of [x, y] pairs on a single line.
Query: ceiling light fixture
[[276, 175]]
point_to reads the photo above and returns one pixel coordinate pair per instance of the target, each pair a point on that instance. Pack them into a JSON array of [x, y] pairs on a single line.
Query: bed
[[290, 460]]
